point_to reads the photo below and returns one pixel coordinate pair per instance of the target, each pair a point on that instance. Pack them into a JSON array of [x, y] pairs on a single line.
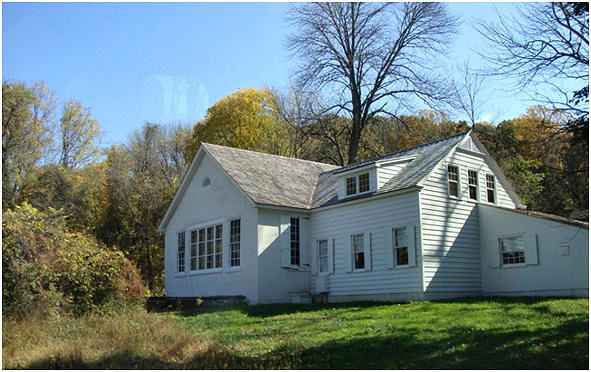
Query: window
[[358, 255], [193, 250], [235, 243], [351, 185], [452, 177], [400, 240], [512, 250], [490, 188], [322, 256], [206, 248], [473, 184], [295, 241], [364, 182], [180, 260]]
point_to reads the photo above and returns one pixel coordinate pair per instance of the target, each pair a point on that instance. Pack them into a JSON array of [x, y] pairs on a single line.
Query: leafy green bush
[[46, 269]]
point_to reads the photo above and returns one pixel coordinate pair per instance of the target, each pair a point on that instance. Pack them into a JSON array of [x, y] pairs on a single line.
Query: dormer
[[369, 178]]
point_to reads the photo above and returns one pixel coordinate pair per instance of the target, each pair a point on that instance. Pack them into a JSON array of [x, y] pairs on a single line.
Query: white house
[[435, 221]]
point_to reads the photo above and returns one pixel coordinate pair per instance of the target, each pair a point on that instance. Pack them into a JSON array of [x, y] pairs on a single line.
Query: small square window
[[512, 250]]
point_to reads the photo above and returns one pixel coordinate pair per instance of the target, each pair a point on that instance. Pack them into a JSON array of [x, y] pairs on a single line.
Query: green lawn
[[522, 333]]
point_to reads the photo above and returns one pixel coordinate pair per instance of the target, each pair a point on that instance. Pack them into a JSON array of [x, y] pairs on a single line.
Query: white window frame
[[353, 252], [494, 188], [319, 257], [196, 228], [395, 247], [230, 243], [292, 241], [447, 173], [520, 235], [177, 264], [477, 185], [357, 185]]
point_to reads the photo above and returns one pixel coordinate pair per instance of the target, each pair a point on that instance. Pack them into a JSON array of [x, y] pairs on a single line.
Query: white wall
[[375, 217], [450, 226], [388, 170], [221, 199], [558, 271], [274, 282]]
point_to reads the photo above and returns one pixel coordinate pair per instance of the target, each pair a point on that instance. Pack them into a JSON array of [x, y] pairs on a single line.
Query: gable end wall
[[450, 227]]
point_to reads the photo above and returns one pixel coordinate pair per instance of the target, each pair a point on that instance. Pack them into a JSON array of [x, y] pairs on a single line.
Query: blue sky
[[136, 62]]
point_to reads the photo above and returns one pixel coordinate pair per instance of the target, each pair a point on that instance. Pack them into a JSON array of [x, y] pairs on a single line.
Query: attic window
[[206, 182], [357, 184]]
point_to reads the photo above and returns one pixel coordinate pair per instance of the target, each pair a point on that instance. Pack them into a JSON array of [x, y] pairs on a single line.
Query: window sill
[[296, 268], [234, 269], [322, 275], [206, 271], [180, 275], [402, 267]]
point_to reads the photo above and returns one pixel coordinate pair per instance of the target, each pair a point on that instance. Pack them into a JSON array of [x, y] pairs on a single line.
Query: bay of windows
[[235, 243], [181, 252]]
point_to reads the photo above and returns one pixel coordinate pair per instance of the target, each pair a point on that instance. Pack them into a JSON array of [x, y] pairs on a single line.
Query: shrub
[[45, 268]]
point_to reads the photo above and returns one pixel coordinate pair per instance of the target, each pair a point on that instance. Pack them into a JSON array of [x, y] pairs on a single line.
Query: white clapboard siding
[[451, 231], [372, 217], [386, 172]]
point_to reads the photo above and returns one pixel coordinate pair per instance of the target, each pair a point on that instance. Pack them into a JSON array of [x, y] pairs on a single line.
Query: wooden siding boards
[[374, 217], [450, 226]]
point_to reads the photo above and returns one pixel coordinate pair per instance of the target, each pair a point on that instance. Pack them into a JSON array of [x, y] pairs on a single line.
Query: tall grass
[[128, 338]]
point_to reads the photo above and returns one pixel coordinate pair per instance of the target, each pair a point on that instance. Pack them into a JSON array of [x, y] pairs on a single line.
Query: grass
[[485, 333]]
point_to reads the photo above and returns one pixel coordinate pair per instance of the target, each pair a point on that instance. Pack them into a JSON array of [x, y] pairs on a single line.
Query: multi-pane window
[[473, 184], [181, 252], [358, 251], [364, 182], [452, 178], [208, 240], [512, 250], [490, 188], [357, 184], [235, 242], [193, 250], [400, 240], [323, 256], [295, 241], [351, 185]]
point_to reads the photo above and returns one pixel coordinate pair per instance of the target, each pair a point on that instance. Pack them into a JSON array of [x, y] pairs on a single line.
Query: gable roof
[[295, 183], [270, 179]]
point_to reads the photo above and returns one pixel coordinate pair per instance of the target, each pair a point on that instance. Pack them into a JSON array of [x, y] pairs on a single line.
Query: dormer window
[[357, 184], [351, 185]]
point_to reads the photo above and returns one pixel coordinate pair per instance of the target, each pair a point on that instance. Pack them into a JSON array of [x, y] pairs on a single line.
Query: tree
[[142, 177], [468, 93], [370, 55], [78, 133], [546, 45], [27, 114], [247, 119]]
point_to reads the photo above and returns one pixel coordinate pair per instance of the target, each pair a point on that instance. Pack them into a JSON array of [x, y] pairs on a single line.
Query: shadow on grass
[[563, 347], [271, 310]]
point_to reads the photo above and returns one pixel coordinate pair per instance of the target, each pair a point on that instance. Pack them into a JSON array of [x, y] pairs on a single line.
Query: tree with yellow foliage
[[247, 119]]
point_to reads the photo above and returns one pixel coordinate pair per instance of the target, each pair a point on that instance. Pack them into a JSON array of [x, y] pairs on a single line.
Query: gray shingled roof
[[270, 179], [427, 156], [277, 180]]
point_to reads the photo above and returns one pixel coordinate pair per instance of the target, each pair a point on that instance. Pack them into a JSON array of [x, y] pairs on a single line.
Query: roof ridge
[[373, 160], [265, 153]]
